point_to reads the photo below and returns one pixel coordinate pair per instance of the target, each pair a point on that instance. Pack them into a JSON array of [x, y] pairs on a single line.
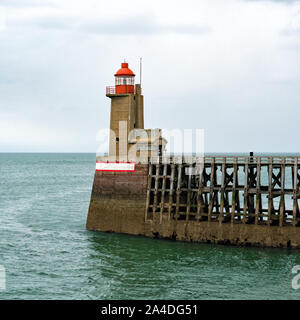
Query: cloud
[[293, 25], [125, 25], [211, 64], [2, 20], [278, 1], [51, 22], [26, 3], [145, 25]]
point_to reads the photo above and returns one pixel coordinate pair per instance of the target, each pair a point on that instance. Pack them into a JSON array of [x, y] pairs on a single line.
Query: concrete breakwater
[[251, 201]]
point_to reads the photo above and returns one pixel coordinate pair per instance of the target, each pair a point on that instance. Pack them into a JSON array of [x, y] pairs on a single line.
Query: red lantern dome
[[124, 80], [124, 71]]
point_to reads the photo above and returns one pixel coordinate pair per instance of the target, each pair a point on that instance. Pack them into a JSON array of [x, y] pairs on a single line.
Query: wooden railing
[[277, 160]]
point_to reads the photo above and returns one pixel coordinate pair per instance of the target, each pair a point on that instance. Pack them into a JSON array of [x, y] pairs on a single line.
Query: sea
[[47, 253]]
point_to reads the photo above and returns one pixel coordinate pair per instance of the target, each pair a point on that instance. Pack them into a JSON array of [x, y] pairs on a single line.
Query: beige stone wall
[[126, 114]]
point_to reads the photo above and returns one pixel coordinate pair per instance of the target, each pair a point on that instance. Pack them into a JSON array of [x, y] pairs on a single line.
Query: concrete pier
[[249, 201]]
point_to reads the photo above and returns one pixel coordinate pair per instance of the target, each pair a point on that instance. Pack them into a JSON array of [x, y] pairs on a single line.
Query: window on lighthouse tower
[[124, 81]]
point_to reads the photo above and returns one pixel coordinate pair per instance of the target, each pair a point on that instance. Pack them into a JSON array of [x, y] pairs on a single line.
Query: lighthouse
[[126, 111], [140, 190]]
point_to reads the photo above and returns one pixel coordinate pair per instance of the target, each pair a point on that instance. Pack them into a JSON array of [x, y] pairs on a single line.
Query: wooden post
[[171, 190], [162, 201], [222, 192], [282, 200], [199, 195], [155, 192], [270, 194], [211, 189], [245, 192], [295, 192], [148, 190], [234, 185], [251, 180], [178, 190], [188, 207], [237, 198], [258, 191]]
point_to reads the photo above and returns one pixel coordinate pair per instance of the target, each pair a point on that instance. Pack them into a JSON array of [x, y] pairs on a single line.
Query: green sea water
[[48, 254]]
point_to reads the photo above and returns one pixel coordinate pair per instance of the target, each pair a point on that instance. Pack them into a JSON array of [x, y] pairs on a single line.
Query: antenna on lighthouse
[[141, 72]]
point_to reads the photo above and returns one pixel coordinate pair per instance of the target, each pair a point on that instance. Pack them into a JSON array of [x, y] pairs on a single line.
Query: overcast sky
[[230, 67]]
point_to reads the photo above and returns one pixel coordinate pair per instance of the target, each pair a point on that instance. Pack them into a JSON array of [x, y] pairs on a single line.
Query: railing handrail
[[263, 160], [112, 90]]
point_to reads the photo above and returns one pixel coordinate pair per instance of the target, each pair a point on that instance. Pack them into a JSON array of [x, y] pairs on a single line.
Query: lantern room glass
[[129, 81]]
